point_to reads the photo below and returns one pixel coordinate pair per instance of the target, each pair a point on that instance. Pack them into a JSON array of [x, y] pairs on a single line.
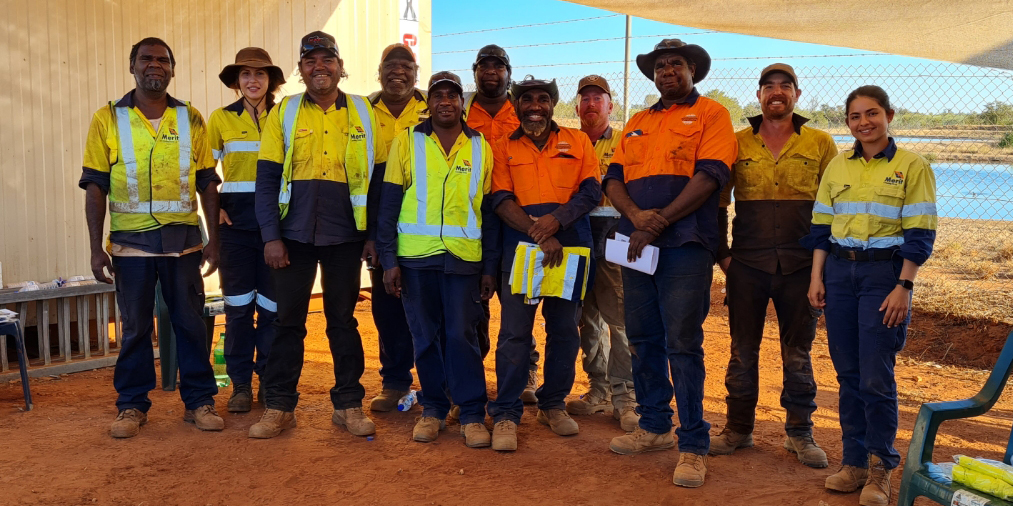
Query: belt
[[865, 255]]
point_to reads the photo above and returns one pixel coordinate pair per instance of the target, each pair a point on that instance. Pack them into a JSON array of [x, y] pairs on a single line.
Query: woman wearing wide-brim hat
[[234, 134]]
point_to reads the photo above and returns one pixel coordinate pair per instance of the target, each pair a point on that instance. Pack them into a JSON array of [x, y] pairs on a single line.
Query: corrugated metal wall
[[60, 60]]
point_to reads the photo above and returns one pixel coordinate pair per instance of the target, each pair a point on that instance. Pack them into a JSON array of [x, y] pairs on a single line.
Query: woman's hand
[[896, 306], [817, 293]]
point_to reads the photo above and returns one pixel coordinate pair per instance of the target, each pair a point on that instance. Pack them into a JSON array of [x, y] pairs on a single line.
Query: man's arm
[[513, 215], [212, 205], [95, 213]]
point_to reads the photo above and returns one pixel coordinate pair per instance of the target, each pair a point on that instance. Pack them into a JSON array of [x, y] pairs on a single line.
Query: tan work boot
[[690, 471], [728, 441], [504, 436], [204, 417], [427, 429], [387, 400], [809, 453], [528, 395], [628, 418], [640, 441], [877, 490], [847, 479], [241, 400], [354, 420], [476, 435], [559, 421], [272, 423], [587, 404], [128, 423]]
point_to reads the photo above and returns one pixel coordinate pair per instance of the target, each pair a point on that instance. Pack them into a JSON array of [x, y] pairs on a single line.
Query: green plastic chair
[[915, 482]]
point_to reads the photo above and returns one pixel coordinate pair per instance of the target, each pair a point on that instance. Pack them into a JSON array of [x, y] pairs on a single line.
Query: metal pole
[[626, 71]]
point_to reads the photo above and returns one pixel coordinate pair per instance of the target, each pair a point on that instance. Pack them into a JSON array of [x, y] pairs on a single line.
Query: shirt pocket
[[565, 175], [303, 146], [890, 200], [636, 149], [522, 175], [801, 173], [680, 150], [748, 175]]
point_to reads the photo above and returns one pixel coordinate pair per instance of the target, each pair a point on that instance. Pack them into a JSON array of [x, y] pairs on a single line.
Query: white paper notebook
[[617, 249]]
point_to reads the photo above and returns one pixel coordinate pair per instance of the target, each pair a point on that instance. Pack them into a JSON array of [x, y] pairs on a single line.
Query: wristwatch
[[906, 284]]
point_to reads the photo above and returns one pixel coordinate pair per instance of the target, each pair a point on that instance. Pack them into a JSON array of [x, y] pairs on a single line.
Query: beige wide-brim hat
[[250, 57]]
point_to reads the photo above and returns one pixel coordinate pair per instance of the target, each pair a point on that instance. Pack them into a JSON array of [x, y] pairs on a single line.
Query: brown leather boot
[[559, 421], [728, 441], [204, 417], [387, 400], [272, 423], [640, 441], [690, 471], [847, 479], [128, 423], [241, 400], [354, 420], [877, 491]]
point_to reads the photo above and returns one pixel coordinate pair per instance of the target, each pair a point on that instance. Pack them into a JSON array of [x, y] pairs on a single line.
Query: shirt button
[[775, 183], [325, 152], [325, 131]]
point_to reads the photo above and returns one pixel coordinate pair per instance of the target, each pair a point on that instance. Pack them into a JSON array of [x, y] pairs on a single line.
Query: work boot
[[587, 404], [454, 414], [241, 400], [528, 395], [272, 423], [204, 417], [640, 441], [504, 436], [559, 421], [877, 490], [809, 453], [354, 420], [690, 471], [847, 479], [728, 441], [476, 435], [128, 423], [427, 429], [628, 418], [387, 400]]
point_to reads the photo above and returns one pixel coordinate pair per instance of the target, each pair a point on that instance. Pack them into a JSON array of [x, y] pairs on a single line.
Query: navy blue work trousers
[[444, 312], [248, 290], [396, 353], [183, 291], [864, 352]]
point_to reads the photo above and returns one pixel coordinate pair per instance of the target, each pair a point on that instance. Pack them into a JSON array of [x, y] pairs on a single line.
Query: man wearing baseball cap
[[398, 106], [319, 152], [781, 161], [665, 179], [608, 364], [437, 247]]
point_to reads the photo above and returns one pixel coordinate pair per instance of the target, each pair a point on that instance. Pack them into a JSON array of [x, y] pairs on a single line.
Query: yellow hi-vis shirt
[[235, 142], [442, 207], [604, 148], [153, 174], [870, 204], [568, 280], [415, 111]]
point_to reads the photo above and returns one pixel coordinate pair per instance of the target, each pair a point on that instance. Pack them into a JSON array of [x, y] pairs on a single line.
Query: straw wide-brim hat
[[250, 57]]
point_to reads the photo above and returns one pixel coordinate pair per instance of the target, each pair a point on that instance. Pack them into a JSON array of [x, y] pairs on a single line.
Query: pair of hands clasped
[[649, 224]]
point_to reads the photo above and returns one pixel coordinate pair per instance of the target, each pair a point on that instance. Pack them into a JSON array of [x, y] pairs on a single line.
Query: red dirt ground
[[61, 454]]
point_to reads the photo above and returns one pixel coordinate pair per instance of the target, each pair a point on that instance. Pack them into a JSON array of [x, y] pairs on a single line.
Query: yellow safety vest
[[441, 210], [534, 281], [153, 182], [358, 162]]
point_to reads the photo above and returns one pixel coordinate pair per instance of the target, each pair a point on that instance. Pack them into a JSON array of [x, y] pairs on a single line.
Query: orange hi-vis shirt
[[561, 179], [493, 128]]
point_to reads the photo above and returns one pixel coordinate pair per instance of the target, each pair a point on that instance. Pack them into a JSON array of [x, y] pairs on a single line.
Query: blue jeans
[[864, 352], [248, 289], [396, 354], [513, 353], [664, 324], [444, 312], [183, 291]]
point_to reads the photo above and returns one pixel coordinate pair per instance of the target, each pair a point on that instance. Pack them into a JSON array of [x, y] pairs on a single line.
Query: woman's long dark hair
[[871, 91]]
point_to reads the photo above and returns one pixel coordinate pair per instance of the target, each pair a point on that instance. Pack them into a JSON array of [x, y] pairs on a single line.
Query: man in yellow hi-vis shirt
[[438, 250], [319, 152], [148, 152]]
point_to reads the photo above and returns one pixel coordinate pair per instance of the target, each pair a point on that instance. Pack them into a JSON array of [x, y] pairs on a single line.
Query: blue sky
[[736, 58]]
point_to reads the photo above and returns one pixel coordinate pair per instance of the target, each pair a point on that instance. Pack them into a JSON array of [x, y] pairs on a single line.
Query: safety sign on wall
[[409, 24]]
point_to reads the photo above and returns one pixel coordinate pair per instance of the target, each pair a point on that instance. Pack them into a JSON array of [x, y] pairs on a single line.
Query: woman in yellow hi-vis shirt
[[234, 135], [874, 223]]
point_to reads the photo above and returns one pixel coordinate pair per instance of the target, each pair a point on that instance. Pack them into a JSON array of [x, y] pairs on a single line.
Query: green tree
[[997, 113], [651, 99], [734, 109]]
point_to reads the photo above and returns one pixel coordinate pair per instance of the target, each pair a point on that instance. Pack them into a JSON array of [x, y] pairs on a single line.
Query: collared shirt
[[774, 196], [235, 139], [604, 148], [398, 178], [886, 202], [662, 149], [320, 211], [415, 111], [561, 179], [101, 152], [493, 128], [604, 218]]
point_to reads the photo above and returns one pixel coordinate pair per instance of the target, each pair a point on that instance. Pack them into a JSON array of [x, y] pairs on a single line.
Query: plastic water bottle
[[408, 400], [221, 377]]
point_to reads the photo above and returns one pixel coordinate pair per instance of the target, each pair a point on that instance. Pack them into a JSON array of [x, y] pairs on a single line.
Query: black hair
[[151, 41], [871, 91]]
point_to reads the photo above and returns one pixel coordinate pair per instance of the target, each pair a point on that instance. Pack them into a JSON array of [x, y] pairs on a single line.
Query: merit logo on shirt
[[689, 119], [898, 178], [463, 169], [563, 147], [358, 135], [172, 136]]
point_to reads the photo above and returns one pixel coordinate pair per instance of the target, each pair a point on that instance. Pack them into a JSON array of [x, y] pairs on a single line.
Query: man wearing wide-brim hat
[[665, 179]]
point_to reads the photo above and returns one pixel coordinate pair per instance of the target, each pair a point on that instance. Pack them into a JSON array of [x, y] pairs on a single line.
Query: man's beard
[[154, 84], [534, 128]]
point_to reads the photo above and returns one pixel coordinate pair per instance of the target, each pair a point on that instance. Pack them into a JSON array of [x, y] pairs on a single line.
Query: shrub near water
[[1007, 140]]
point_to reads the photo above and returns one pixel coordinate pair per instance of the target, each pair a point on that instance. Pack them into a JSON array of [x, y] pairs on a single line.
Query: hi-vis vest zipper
[[152, 183], [358, 162], [442, 207]]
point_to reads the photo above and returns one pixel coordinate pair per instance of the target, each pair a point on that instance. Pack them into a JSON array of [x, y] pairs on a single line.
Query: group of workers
[[436, 189]]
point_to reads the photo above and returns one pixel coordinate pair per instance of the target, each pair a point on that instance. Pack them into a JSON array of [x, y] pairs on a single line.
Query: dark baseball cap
[[784, 68], [491, 51], [317, 40], [445, 77], [594, 80]]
